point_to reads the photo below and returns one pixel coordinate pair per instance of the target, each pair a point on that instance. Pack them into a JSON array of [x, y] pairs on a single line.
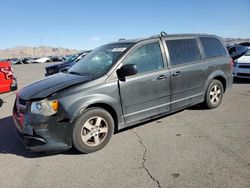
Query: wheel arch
[[217, 75], [109, 109], [223, 81], [110, 105]]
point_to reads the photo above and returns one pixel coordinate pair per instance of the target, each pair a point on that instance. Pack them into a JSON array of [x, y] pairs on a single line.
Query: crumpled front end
[[41, 133]]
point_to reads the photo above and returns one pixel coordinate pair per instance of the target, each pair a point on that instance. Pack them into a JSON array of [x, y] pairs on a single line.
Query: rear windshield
[[212, 47]]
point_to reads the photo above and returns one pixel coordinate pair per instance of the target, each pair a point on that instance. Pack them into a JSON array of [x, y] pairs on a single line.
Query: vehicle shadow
[[241, 81], [11, 144]]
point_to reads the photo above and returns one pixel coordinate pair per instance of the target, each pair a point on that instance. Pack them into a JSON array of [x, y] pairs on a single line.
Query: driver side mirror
[[126, 70]]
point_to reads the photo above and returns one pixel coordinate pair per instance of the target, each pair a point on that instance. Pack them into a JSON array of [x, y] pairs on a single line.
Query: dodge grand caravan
[[121, 84]]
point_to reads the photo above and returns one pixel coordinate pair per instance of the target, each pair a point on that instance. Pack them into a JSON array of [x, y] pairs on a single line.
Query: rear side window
[[183, 51], [212, 47]]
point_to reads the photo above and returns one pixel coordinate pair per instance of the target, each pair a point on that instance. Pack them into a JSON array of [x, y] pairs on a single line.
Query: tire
[[214, 94], [93, 130]]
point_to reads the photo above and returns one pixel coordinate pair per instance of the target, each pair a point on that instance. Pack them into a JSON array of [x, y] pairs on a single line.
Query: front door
[[147, 93]]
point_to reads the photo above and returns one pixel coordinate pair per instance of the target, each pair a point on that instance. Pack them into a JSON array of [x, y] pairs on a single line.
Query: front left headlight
[[44, 107]]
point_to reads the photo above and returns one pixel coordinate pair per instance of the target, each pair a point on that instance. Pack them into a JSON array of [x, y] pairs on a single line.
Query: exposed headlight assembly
[[44, 107]]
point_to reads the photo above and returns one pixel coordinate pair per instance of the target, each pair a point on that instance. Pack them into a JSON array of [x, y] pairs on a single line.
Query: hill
[[236, 41], [41, 51]]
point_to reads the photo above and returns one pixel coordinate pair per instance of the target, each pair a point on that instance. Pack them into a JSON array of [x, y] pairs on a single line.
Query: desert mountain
[[236, 41], [41, 51]]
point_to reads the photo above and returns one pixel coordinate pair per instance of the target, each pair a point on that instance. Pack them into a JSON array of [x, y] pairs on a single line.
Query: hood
[[244, 59], [46, 87]]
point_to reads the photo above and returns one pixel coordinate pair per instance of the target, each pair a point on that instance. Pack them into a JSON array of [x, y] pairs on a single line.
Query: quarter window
[[212, 47], [147, 58], [183, 51]]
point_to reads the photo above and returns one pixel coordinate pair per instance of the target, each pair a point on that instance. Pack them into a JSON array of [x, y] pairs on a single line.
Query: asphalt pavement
[[191, 148]]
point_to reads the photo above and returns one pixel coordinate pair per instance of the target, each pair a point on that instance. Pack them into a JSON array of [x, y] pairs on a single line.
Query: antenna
[[163, 34]]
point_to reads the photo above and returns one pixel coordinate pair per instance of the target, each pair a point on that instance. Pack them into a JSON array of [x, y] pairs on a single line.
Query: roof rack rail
[[163, 34], [121, 39]]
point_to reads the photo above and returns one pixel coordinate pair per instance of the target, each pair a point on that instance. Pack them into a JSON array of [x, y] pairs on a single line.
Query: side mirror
[[126, 70], [1, 102]]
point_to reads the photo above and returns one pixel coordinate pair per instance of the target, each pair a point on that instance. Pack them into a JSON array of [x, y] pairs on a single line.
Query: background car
[[42, 60], [246, 44], [236, 51], [65, 65], [56, 58], [242, 66], [7, 79]]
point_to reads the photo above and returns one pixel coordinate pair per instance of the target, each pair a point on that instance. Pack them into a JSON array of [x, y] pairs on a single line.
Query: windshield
[[247, 53], [100, 61], [71, 58]]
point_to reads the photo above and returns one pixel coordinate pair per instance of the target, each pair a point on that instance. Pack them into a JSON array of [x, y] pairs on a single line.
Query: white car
[[242, 66], [42, 60]]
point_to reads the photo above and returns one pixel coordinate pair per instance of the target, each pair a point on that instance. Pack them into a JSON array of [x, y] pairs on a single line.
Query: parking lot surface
[[191, 148]]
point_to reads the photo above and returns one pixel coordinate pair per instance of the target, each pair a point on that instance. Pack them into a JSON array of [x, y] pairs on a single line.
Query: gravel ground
[[191, 148]]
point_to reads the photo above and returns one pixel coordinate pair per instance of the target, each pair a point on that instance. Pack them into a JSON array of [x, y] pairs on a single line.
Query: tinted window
[[212, 47], [147, 58], [183, 51]]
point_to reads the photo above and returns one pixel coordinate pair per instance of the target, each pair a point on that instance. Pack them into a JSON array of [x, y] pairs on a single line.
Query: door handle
[[177, 73], [162, 77]]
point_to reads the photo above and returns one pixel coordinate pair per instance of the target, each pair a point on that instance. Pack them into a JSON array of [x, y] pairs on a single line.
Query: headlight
[[44, 107]]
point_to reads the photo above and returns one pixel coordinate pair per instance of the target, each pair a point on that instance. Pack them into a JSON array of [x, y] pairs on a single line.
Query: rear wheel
[[93, 130], [214, 94]]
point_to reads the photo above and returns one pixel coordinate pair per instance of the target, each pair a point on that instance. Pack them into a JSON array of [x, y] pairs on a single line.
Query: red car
[[7, 80]]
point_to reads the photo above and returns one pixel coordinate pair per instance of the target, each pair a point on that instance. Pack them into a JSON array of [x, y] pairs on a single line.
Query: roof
[[166, 36]]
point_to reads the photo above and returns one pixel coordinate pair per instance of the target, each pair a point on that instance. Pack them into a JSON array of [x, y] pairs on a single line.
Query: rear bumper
[[41, 134]]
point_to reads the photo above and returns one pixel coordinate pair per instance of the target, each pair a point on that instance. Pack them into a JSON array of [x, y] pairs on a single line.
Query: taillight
[[231, 63], [8, 72]]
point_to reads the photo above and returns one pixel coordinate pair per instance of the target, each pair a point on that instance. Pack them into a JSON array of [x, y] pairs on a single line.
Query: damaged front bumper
[[40, 133]]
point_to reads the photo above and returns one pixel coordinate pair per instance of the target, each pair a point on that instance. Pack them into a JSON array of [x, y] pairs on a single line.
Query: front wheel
[[214, 94], [93, 130]]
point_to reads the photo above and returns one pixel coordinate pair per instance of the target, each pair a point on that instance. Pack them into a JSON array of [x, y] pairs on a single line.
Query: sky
[[82, 25]]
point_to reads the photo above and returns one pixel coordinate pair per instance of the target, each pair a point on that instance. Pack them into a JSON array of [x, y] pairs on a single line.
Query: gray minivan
[[122, 84]]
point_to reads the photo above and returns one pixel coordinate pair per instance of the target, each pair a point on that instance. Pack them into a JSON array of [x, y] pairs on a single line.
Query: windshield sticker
[[119, 49]]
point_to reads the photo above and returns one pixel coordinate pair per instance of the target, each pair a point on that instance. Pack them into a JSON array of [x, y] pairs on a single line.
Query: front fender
[[76, 109]]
